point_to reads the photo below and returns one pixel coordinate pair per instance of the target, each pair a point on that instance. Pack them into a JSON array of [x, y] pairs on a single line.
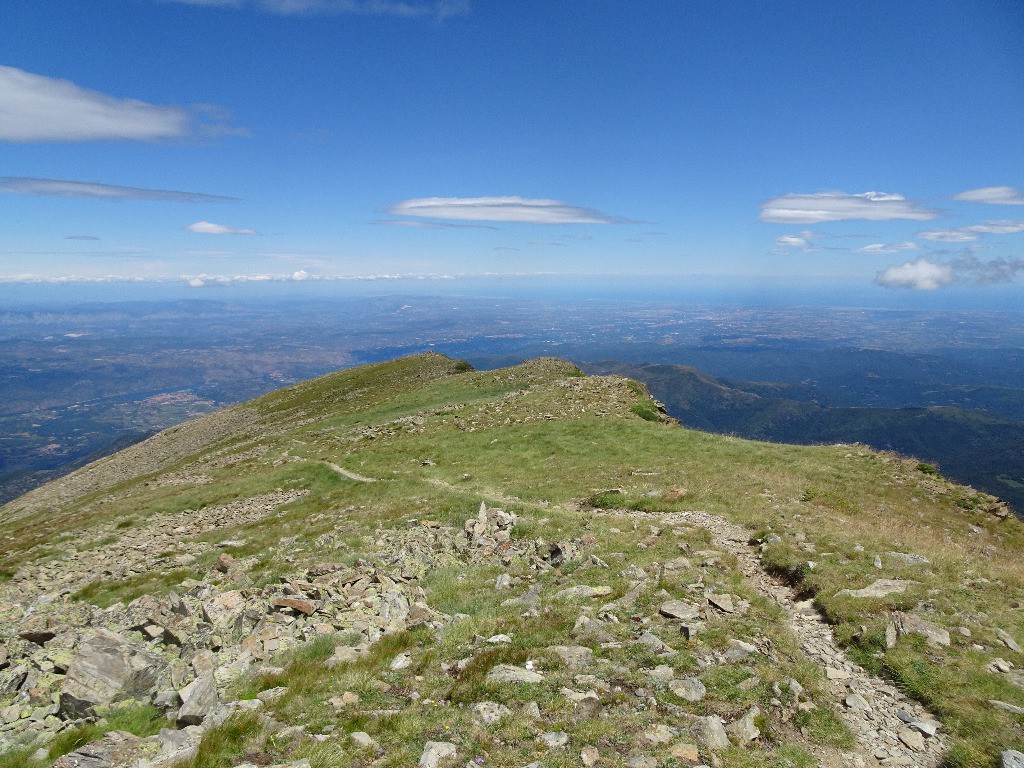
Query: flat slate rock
[[878, 588], [507, 673]]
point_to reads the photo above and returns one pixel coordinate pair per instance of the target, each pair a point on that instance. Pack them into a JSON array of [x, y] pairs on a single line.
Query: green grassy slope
[[973, 447], [540, 440]]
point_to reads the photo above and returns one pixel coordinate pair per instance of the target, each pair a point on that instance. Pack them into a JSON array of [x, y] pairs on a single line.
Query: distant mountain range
[[968, 445]]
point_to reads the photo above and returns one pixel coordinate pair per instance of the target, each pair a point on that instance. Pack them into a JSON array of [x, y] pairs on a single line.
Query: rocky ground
[[185, 652]]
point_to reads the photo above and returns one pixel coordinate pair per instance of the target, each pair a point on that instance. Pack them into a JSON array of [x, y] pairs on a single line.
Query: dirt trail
[[350, 475], [878, 714]]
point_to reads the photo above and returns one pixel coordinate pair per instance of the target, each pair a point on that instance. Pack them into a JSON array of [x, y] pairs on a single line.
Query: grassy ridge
[[538, 438]]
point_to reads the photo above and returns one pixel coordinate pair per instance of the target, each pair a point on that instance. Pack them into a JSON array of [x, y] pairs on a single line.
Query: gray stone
[[363, 740], [739, 650], [107, 668], [582, 592], [176, 746], [653, 642], [908, 623], [507, 673], [489, 712], [909, 559], [677, 609], [272, 694], [1011, 758], [744, 731], [642, 761], [1007, 640], [912, 739], [219, 715], [573, 656], [722, 602], [689, 688], [114, 749], [659, 733], [435, 752], [878, 588], [709, 732], [662, 673], [343, 654], [401, 661], [857, 703], [554, 739], [1013, 709], [198, 698]]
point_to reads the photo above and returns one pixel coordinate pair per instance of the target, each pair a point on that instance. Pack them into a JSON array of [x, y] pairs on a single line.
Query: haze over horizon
[[866, 149]]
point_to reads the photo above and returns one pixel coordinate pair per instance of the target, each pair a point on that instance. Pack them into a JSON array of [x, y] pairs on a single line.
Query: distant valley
[[79, 380]]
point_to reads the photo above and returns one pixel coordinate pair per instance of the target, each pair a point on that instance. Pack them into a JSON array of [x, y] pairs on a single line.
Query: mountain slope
[[970, 446], [413, 559]]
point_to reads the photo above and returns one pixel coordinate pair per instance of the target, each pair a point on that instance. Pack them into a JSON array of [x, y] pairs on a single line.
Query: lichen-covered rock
[[709, 732], [108, 668], [115, 750], [199, 698]]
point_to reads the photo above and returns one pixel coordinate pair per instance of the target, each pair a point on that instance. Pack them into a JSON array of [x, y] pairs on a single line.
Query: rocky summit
[[416, 563]]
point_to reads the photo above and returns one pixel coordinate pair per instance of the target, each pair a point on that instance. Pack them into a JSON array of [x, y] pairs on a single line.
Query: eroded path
[[890, 728]]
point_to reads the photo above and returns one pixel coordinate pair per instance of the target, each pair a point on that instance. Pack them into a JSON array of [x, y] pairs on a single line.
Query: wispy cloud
[[209, 228], [992, 272], [887, 247], [22, 185], [509, 209], [439, 9], [800, 241], [416, 224], [839, 206], [992, 196], [919, 275], [81, 237], [973, 232], [38, 108]]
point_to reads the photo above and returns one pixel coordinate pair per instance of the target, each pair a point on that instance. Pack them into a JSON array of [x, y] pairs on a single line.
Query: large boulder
[[115, 750], [107, 668], [199, 698]]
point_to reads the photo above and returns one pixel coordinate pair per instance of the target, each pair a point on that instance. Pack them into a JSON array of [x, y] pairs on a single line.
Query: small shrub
[[646, 411], [927, 469]]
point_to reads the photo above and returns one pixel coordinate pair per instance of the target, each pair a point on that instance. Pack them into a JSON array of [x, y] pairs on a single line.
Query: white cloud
[[209, 228], [974, 232], [23, 185], [404, 8], [510, 209], [919, 275], [300, 275], [38, 108], [839, 206], [992, 196], [417, 224], [887, 247], [960, 235], [801, 240]]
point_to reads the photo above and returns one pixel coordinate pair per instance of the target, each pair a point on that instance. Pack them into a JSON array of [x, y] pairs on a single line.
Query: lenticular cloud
[[839, 206], [509, 209]]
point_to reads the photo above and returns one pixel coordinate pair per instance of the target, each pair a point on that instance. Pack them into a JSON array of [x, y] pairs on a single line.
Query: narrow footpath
[[890, 728]]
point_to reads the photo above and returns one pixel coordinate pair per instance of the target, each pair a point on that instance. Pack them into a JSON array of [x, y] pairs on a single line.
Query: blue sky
[[207, 141]]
